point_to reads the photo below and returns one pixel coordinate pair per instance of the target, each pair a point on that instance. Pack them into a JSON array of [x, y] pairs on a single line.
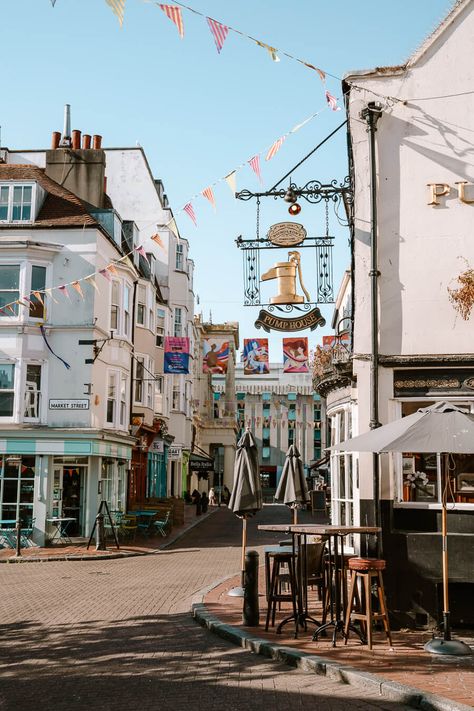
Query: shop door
[[74, 479]]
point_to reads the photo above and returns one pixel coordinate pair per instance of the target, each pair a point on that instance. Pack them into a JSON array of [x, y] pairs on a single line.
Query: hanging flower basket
[[462, 298]]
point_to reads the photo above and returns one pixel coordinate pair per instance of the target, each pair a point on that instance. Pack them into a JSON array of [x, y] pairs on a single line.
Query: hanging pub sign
[[286, 234], [270, 322]]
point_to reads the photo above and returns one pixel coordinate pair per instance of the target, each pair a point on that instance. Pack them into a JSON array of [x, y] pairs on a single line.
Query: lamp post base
[[452, 647]]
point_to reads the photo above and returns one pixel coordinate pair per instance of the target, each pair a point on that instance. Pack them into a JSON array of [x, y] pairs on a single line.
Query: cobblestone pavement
[[117, 634]]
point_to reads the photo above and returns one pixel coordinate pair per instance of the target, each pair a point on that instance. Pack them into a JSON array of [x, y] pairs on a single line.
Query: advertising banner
[[256, 356], [295, 355], [176, 355], [215, 355]]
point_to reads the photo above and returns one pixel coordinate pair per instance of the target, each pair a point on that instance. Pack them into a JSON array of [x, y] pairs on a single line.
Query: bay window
[[111, 398], [115, 306], [23, 279], [141, 305], [38, 283], [9, 287]]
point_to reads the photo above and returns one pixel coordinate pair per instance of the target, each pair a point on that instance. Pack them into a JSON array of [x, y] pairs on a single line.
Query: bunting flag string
[[105, 274], [219, 32], [275, 148], [231, 180], [76, 285], [254, 163], [141, 251], [173, 13], [332, 102], [112, 269], [209, 195], [91, 280], [118, 7], [63, 290], [53, 2], [273, 51], [189, 210], [157, 239]]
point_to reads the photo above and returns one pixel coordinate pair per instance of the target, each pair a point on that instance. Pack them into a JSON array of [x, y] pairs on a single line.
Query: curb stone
[[390, 690]]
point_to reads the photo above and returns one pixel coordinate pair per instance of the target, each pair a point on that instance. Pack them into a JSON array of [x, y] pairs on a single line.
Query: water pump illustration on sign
[[285, 273]]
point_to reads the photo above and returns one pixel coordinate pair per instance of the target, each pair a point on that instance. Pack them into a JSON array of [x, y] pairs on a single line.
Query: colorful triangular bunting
[[209, 195], [118, 7], [189, 210], [219, 32], [275, 148], [254, 163], [173, 12]]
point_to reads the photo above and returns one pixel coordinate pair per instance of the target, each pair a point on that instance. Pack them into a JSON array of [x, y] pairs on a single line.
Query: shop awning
[[200, 463]]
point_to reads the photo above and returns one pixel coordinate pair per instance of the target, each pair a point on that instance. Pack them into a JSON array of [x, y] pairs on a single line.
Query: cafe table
[[61, 524], [335, 536]]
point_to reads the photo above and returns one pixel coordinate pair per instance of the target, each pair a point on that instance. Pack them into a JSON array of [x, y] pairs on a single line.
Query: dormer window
[[16, 202]]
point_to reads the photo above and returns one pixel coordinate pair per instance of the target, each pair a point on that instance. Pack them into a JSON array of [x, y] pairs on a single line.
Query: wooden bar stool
[[368, 571], [277, 560]]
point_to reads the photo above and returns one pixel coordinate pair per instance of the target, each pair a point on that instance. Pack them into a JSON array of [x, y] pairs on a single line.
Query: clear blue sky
[[199, 114]]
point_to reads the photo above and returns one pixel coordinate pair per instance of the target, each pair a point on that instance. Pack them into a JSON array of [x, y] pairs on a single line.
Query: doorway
[[73, 485]]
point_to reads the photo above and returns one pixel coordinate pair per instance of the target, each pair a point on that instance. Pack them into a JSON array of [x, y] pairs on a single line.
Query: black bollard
[[18, 538], [250, 612], [100, 533]]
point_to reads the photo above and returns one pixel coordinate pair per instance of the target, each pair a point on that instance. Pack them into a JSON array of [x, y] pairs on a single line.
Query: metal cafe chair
[[128, 526], [162, 524]]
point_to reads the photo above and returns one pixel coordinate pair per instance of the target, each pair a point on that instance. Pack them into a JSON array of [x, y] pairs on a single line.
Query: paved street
[[117, 634]]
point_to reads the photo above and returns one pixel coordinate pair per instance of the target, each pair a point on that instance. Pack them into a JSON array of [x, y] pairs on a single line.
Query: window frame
[[10, 203], [22, 314]]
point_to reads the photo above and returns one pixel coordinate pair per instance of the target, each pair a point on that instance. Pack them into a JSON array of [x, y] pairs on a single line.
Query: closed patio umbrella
[[246, 497], [442, 429], [292, 488]]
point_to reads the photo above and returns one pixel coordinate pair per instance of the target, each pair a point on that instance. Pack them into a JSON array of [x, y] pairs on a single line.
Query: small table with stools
[[335, 536]]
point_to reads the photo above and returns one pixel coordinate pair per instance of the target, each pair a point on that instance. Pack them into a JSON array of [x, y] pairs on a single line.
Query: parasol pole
[[444, 538], [446, 645], [295, 515], [244, 545]]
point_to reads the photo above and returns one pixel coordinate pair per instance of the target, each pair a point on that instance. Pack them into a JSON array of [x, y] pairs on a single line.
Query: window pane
[[38, 283], [7, 376], [9, 276], [4, 203], [6, 404]]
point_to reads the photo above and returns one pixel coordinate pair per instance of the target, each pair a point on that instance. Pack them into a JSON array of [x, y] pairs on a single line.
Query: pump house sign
[[270, 322], [286, 234]]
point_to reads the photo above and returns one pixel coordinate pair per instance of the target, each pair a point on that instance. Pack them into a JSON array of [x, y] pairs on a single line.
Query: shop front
[[44, 478], [411, 517]]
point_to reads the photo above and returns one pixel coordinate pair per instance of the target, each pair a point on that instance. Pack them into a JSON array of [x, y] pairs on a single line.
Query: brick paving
[[117, 634]]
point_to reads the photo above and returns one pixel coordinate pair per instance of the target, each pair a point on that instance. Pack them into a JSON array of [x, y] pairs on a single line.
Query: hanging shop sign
[[157, 446], [59, 404], [269, 322], [174, 453], [176, 355], [286, 234]]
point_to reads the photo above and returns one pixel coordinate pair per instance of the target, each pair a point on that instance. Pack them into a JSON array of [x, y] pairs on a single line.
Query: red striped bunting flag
[[332, 101], [218, 31], [209, 195], [141, 250], [254, 163], [275, 148], [189, 210], [118, 7], [105, 274], [173, 12]]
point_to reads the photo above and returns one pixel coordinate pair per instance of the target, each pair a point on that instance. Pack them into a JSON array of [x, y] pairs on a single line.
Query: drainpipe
[[371, 114]]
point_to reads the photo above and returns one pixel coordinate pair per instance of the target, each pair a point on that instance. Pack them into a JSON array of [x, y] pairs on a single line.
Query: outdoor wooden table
[[336, 535]]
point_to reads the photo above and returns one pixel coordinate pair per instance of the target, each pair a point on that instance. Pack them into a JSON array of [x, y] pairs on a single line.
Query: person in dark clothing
[[226, 496], [204, 502], [196, 498]]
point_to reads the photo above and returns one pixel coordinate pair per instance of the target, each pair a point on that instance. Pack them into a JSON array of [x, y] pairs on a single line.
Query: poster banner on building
[[215, 355], [295, 355], [256, 356], [176, 355]]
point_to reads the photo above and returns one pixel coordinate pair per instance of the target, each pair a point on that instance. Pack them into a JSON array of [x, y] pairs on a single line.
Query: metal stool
[[275, 594], [369, 571]]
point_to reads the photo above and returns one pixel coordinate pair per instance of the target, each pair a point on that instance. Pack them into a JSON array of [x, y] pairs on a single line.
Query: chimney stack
[[86, 141], [76, 140]]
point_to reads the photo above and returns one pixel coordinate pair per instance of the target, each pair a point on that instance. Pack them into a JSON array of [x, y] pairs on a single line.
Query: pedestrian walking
[[204, 502], [212, 497], [226, 495]]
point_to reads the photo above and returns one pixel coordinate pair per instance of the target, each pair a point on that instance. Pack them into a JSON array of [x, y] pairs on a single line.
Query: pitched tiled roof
[[61, 208]]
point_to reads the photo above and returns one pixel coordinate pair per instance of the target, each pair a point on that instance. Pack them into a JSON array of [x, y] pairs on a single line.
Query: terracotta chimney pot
[[76, 140], [56, 137], [86, 141], [97, 142]]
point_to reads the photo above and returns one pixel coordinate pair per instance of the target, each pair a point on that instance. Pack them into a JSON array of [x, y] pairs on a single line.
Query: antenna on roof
[[66, 139]]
